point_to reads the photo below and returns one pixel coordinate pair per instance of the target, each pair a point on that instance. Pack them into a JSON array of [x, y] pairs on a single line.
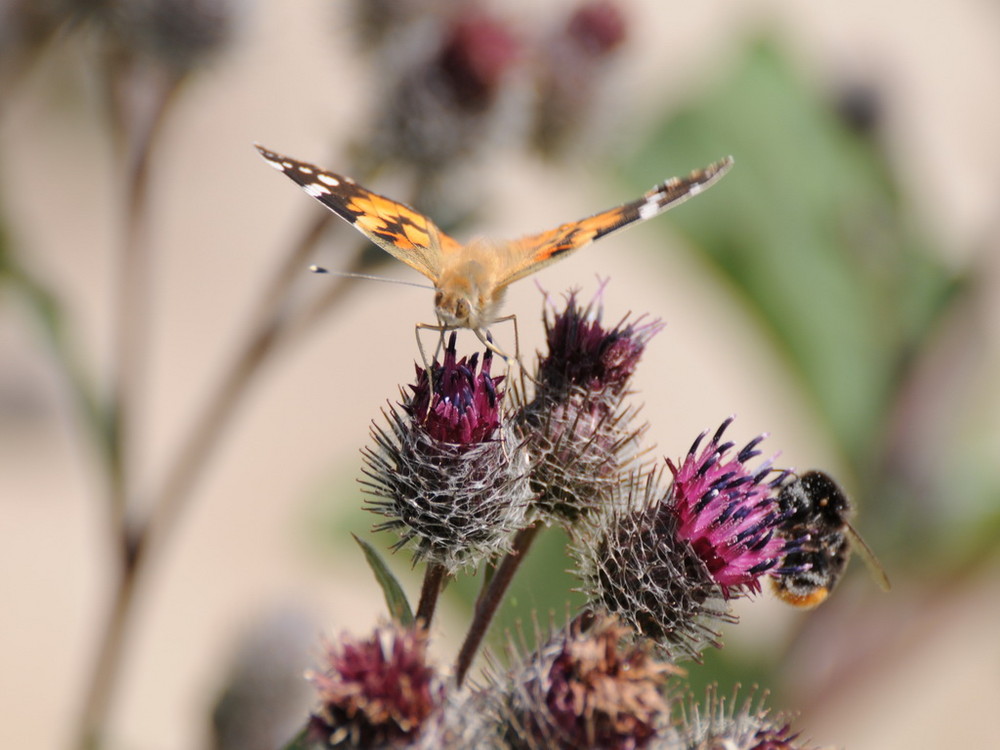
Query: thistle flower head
[[442, 472], [633, 565], [586, 688], [667, 563], [376, 692], [464, 407], [443, 96], [571, 76], [597, 27], [578, 427], [728, 512], [583, 353], [718, 723], [477, 52]]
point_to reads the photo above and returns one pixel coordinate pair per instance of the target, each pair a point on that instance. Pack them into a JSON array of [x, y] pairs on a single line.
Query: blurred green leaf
[[301, 742], [43, 303], [395, 597], [808, 228]]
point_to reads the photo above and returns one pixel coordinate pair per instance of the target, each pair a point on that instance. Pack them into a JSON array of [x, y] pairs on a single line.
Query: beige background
[[245, 548]]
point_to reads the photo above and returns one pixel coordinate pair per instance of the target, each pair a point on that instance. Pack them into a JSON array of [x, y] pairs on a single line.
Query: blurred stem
[[488, 603], [170, 501], [434, 577], [132, 313]]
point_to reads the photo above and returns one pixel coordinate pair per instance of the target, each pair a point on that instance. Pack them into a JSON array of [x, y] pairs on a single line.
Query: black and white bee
[[817, 520]]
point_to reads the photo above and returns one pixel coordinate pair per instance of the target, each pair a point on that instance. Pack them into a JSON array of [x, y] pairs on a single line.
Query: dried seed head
[[443, 472], [376, 692], [589, 686]]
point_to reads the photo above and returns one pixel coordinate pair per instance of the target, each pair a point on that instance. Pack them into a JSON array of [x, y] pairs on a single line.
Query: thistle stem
[[434, 577], [489, 601]]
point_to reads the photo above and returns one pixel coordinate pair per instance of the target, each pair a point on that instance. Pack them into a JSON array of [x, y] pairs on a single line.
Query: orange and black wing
[[395, 227], [536, 251]]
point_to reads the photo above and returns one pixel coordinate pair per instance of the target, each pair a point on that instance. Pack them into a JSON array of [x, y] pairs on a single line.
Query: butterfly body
[[470, 279]]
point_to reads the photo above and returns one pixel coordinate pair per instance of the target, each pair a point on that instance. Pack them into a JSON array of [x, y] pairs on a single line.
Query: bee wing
[[534, 252], [871, 562], [395, 227]]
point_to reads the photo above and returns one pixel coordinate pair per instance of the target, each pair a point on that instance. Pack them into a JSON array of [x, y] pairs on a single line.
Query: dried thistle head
[[590, 685], [376, 692]]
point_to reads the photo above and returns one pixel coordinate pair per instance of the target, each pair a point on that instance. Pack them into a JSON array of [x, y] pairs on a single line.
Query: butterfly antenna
[[350, 275]]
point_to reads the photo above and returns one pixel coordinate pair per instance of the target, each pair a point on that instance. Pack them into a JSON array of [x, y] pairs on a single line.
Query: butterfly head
[[467, 294]]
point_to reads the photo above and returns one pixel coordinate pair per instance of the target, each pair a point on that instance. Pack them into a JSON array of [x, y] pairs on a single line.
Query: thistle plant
[[469, 466], [467, 475]]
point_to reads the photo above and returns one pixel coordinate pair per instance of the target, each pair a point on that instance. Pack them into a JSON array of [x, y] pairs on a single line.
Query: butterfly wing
[[537, 251], [395, 227]]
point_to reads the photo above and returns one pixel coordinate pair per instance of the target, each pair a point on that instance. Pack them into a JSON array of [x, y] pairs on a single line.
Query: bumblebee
[[817, 515]]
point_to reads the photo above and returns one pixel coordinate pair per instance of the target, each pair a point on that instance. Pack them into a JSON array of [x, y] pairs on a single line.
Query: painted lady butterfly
[[470, 279]]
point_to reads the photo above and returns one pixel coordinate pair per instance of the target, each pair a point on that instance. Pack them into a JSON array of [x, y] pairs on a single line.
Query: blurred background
[[182, 405]]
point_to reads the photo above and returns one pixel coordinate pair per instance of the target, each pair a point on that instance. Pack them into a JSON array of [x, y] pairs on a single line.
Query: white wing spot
[[316, 190], [648, 210], [304, 169], [287, 165], [329, 180]]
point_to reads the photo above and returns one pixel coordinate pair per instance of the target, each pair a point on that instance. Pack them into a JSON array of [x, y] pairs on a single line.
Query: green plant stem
[[489, 601]]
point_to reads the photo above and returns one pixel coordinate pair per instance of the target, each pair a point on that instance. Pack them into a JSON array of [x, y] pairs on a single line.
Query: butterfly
[[470, 279]]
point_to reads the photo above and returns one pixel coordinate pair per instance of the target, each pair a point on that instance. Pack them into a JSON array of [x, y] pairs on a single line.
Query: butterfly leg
[[524, 372]]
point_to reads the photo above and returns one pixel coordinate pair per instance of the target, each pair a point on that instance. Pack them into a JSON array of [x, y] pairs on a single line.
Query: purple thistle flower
[[577, 428], [572, 80], [583, 353], [465, 406], [445, 71], [727, 512], [376, 692], [667, 563], [443, 473]]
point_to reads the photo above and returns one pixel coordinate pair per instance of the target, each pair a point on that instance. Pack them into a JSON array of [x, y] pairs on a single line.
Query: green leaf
[[300, 741], [395, 597]]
